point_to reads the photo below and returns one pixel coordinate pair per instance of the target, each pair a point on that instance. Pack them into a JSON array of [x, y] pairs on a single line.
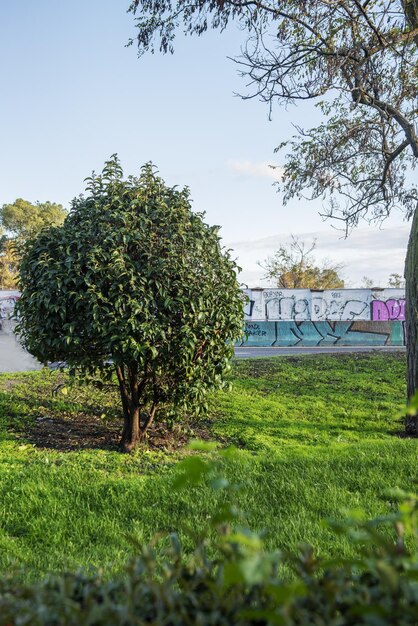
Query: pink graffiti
[[388, 310]]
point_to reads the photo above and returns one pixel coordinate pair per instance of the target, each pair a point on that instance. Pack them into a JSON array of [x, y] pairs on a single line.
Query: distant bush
[[242, 584]]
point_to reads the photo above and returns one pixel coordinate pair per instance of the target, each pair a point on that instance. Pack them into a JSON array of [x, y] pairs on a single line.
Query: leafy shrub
[[134, 283], [238, 583]]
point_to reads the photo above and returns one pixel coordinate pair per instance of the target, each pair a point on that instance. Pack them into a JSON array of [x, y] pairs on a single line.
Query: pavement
[[12, 356], [247, 353]]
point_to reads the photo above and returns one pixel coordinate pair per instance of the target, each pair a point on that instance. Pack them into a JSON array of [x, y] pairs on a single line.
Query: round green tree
[[135, 283]]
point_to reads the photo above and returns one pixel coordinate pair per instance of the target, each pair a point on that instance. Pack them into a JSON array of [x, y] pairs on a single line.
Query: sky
[[73, 94]]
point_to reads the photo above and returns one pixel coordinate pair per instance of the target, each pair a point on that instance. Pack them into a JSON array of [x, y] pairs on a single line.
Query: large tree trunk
[[411, 321]]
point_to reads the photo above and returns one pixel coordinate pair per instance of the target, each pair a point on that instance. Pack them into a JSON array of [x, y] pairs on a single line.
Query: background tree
[[294, 266], [8, 263], [396, 280], [367, 282], [21, 220], [133, 282], [361, 55]]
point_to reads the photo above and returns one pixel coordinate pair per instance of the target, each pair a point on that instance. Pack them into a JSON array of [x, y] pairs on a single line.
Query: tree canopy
[[8, 263], [133, 282], [22, 219], [293, 266], [358, 61], [396, 280], [356, 58]]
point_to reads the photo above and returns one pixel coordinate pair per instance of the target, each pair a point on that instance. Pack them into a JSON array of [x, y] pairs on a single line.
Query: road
[[248, 353]]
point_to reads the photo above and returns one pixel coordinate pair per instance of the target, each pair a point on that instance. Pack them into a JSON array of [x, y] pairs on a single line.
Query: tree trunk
[[131, 430], [130, 395], [131, 392], [411, 321]]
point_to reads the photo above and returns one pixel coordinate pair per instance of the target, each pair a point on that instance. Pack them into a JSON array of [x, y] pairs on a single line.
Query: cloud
[[372, 252], [362, 240], [259, 170]]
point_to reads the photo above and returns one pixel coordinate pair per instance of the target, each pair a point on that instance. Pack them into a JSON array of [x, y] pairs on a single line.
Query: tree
[[294, 267], [22, 219], [358, 60], [396, 280], [367, 282], [8, 264], [135, 283]]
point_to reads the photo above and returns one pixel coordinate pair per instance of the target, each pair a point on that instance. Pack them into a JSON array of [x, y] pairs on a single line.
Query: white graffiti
[[333, 305]]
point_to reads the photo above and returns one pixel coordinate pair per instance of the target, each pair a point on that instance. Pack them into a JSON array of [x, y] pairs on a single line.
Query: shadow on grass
[[47, 424], [66, 427]]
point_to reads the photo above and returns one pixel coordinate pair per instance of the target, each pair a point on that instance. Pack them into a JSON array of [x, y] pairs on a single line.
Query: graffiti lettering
[[291, 308], [286, 308], [254, 330], [332, 333], [248, 309], [392, 309], [343, 305], [338, 310]]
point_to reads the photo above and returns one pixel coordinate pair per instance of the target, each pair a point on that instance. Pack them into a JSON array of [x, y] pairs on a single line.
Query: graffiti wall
[[8, 300], [305, 317]]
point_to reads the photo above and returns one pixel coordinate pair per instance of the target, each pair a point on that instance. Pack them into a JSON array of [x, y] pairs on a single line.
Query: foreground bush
[[242, 584]]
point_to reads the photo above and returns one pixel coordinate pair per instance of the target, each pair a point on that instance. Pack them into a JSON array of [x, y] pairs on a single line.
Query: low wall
[[8, 300], [286, 318], [326, 333]]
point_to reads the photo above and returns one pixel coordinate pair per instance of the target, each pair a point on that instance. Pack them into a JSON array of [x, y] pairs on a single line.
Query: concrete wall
[[7, 302], [12, 356], [306, 317]]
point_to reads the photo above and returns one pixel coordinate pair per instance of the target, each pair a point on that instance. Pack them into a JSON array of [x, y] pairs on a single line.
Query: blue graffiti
[[307, 333]]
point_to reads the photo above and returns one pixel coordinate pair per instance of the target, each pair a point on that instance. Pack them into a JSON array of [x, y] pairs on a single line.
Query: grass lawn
[[318, 436]]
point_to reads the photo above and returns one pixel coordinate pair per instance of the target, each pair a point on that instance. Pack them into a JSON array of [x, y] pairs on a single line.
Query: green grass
[[318, 436]]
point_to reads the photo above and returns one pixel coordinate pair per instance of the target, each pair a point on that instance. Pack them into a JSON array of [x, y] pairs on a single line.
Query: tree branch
[[359, 95], [392, 156]]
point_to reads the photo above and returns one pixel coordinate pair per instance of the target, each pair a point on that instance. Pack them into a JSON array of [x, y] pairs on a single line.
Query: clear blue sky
[[73, 94]]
